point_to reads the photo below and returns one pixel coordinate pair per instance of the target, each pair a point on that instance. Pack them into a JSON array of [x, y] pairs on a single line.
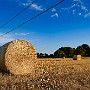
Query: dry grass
[[52, 74]]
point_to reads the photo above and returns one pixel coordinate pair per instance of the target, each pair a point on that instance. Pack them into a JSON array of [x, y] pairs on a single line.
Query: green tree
[[69, 52], [80, 51], [59, 54], [87, 49], [46, 55], [39, 55], [51, 56]]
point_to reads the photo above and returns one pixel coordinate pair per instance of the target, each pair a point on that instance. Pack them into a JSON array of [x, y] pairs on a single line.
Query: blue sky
[[67, 24]]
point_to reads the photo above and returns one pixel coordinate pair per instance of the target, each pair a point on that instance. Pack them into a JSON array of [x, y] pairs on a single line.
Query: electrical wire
[[33, 18], [18, 14]]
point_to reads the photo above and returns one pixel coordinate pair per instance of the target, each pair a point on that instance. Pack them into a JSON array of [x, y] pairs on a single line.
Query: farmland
[[51, 74]]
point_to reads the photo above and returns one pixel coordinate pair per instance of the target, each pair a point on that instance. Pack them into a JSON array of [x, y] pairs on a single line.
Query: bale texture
[[18, 57]]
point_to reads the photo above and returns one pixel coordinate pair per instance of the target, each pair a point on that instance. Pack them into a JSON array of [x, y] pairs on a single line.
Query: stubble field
[[51, 74]]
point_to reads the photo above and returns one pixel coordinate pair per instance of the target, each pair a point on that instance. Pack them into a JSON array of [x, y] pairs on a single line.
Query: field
[[51, 74]]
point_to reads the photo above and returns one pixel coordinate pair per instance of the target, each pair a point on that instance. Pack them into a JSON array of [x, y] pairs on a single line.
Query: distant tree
[[69, 52], [65, 52], [51, 56], [46, 55], [87, 50], [59, 54], [39, 55], [80, 51]]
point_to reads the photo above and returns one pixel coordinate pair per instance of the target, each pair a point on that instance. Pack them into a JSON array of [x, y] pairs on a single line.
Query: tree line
[[68, 52]]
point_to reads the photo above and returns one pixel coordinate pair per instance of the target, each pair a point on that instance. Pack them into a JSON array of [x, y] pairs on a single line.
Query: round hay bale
[[77, 57], [18, 57]]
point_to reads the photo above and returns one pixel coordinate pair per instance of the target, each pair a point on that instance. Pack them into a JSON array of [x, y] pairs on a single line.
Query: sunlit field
[[51, 74]]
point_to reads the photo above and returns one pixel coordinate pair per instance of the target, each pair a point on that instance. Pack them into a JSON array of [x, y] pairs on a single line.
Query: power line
[[32, 18], [18, 14]]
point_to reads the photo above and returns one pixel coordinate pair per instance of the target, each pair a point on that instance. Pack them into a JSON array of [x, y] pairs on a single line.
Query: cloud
[[10, 37], [82, 6], [80, 14], [55, 15], [27, 3], [87, 15], [74, 11], [77, 6], [74, 8], [78, 1], [5, 39], [53, 10], [22, 34], [33, 6], [68, 8]]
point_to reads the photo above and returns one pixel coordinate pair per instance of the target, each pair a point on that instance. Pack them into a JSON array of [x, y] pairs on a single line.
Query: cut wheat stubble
[[18, 57]]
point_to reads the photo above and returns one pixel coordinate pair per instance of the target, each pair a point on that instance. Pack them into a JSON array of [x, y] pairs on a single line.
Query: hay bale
[[63, 57], [17, 57], [77, 57]]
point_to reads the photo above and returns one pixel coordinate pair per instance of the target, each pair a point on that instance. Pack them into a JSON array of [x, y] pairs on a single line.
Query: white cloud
[[83, 7], [5, 39], [55, 15], [77, 4], [80, 14], [33, 6], [78, 1], [74, 11], [53, 10], [22, 34], [68, 8], [80, 5], [74, 5], [87, 15], [27, 3]]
